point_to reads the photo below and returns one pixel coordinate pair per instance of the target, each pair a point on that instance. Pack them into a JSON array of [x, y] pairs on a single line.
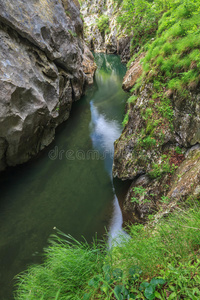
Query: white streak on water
[[103, 134]]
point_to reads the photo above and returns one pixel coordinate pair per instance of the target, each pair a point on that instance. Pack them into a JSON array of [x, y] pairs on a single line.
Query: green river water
[[69, 186]]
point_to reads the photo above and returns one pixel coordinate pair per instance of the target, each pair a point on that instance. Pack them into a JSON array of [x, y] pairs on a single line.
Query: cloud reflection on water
[[103, 134]]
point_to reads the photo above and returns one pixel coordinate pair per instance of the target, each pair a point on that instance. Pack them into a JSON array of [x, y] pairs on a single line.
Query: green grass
[[158, 261], [126, 118], [67, 269], [171, 67], [170, 249], [175, 52]]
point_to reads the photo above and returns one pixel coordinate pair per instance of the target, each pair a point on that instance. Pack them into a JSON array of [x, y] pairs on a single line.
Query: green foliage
[[139, 18], [175, 52], [156, 261], [166, 109], [132, 99], [178, 150], [68, 266], [139, 193], [148, 142], [165, 199], [160, 170], [72, 33], [125, 120], [114, 283], [103, 23], [170, 250]]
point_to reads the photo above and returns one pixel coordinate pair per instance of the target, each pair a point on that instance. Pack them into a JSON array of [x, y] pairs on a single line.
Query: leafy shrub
[[103, 23]]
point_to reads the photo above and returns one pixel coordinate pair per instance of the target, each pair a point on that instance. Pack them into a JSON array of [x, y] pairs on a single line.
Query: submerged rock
[[41, 53]]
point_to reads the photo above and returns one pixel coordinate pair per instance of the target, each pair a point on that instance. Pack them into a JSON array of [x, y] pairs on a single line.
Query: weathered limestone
[[184, 184], [41, 73]]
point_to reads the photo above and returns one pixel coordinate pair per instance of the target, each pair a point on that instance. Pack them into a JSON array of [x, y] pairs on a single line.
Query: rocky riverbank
[[159, 149]]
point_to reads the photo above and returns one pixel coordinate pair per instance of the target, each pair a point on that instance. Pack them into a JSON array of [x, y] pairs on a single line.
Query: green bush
[[103, 23]]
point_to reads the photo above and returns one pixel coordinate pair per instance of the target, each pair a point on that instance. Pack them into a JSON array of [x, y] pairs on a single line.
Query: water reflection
[[103, 134], [106, 128], [75, 195]]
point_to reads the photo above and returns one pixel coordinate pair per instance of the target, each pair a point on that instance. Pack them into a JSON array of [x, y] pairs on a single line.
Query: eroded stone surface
[[164, 195], [41, 73], [46, 25]]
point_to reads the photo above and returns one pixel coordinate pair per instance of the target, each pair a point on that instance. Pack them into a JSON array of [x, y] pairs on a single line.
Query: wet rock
[[147, 147], [187, 118], [133, 156], [186, 180], [163, 195], [149, 131]]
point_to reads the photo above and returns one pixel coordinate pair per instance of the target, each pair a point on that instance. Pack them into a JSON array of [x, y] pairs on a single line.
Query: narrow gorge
[[124, 168], [42, 50], [160, 154]]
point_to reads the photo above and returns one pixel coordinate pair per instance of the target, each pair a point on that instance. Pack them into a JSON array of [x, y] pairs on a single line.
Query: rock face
[[41, 74], [132, 74], [168, 193], [89, 66], [158, 149], [110, 40]]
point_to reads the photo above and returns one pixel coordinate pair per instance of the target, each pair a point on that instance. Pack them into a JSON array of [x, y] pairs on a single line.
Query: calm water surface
[[70, 185]]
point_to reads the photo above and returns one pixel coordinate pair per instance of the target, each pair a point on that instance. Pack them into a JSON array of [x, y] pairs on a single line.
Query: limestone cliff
[[41, 53], [100, 28]]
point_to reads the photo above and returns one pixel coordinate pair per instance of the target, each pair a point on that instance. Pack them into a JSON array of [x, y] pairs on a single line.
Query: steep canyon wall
[[42, 73]]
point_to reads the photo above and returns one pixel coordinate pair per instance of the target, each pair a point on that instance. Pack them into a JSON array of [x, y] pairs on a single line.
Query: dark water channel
[[69, 186]]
